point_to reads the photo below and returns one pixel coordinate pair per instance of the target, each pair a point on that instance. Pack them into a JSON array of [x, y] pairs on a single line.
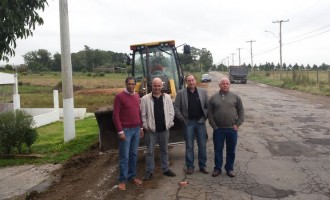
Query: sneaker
[[147, 176], [169, 173], [122, 186]]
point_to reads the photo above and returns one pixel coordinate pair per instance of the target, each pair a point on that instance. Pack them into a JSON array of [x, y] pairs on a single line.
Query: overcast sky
[[220, 26]]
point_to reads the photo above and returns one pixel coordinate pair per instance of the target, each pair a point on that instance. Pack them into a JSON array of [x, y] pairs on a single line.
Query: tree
[[41, 58], [17, 20], [205, 59]]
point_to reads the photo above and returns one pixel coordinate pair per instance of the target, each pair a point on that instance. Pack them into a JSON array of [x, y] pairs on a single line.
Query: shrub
[[16, 129]]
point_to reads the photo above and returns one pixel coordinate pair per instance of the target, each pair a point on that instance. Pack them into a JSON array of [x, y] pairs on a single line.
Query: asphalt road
[[282, 153]]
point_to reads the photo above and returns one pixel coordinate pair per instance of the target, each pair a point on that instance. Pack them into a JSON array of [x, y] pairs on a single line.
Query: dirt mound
[[94, 175]]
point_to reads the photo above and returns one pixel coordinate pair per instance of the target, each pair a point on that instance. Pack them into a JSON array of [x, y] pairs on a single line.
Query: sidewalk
[[31, 177]]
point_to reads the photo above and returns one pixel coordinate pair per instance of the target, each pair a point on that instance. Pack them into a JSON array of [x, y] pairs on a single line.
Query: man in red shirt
[[127, 119]]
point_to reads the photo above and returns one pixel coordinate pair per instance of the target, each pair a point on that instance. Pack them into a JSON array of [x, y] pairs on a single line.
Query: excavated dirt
[[93, 175]]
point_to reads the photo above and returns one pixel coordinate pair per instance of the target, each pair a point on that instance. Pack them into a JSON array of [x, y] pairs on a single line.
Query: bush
[[16, 129]]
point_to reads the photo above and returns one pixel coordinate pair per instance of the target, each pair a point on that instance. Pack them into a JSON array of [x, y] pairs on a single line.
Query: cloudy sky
[[220, 26]]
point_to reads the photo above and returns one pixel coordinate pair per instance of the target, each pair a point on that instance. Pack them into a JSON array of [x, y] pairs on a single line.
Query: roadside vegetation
[[50, 146], [315, 82], [90, 91]]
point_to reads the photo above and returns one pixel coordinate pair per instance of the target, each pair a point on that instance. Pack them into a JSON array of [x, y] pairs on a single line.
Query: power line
[[310, 32], [311, 36]]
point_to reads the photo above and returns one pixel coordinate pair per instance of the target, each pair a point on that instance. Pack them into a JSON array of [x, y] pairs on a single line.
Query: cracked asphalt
[[282, 153]]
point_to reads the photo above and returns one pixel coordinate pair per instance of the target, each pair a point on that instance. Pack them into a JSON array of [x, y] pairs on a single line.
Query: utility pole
[[232, 57], [280, 22], [67, 88], [251, 53], [239, 56], [228, 61]]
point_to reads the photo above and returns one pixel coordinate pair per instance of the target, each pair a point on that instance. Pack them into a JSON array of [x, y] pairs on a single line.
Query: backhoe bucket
[[108, 134]]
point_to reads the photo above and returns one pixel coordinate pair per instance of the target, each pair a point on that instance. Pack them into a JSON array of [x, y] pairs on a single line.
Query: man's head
[[224, 84], [157, 86], [130, 84], [191, 81]]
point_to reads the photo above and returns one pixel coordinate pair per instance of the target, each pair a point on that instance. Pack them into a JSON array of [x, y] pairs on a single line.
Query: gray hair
[[224, 78]]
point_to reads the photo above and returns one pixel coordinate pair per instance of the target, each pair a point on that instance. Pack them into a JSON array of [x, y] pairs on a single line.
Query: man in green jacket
[[226, 114]]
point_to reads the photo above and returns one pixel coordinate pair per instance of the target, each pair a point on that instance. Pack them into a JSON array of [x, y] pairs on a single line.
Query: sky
[[223, 27]]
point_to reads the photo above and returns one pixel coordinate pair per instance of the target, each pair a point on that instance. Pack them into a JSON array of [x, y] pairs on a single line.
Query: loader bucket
[[108, 134]]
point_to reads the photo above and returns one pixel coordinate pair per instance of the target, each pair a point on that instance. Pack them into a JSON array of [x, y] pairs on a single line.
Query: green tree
[[9, 67], [17, 20], [41, 57], [205, 59], [56, 62]]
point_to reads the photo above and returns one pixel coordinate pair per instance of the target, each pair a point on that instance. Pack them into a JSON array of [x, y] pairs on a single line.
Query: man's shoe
[[190, 171], [169, 173], [147, 176], [216, 173], [203, 170], [230, 174], [136, 181], [122, 186]]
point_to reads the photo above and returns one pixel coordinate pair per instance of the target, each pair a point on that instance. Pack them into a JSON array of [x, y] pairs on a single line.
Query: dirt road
[[283, 153]]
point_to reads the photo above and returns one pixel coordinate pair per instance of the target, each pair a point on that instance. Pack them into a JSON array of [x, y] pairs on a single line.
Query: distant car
[[206, 78]]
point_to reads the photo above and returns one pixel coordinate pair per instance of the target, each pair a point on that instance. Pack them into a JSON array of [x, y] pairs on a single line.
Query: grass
[[79, 79], [36, 90], [50, 143], [305, 81]]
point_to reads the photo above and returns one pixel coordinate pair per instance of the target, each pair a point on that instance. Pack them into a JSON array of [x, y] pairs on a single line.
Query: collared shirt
[[159, 113], [194, 105]]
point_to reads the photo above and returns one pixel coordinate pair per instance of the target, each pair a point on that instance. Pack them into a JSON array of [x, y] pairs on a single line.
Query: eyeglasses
[[130, 83]]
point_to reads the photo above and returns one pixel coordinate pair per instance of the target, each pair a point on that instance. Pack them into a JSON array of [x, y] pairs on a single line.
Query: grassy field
[[36, 90], [305, 81], [93, 92]]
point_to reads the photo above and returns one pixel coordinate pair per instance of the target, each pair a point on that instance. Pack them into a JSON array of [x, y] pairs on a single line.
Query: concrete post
[[67, 86]]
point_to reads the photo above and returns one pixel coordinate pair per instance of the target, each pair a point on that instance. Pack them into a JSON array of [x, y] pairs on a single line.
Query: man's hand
[[235, 127], [141, 133], [122, 136]]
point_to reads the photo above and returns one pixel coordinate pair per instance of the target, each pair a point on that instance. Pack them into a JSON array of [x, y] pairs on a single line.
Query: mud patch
[[321, 141], [312, 129], [276, 105], [289, 148], [304, 119], [268, 191], [269, 123]]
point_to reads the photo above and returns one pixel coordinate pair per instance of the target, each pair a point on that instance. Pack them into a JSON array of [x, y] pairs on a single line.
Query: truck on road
[[238, 74]]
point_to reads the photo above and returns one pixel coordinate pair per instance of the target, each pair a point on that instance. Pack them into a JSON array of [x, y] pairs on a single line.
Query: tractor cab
[[157, 59]]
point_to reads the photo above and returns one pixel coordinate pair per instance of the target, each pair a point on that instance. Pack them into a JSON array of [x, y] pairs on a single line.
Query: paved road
[[282, 153]]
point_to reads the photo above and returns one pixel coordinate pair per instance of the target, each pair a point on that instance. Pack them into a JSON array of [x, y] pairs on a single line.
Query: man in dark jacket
[[191, 108]]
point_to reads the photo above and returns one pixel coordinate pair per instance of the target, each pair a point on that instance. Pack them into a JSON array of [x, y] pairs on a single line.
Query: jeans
[[220, 135], [189, 134], [128, 150], [151, 140]]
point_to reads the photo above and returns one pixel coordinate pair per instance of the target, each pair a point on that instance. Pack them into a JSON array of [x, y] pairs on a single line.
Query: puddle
[[268, 191]]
